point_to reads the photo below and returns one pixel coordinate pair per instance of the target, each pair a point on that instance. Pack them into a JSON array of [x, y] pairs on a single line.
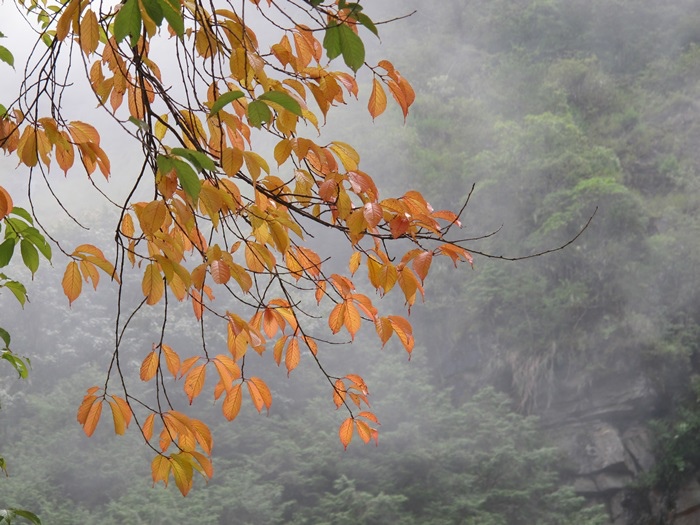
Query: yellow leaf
[[125, 409], [152, 284], [182, 471], [347, 155], [151, 217], [127, 225], [160, 127], [195, 381], [89, 32], [118, 418], [377, 99], [172, 360], [72, 283], [149, 367], [345, 432], [355, 260], [282, 151], [160, 469], [231, 161], [67, 17]]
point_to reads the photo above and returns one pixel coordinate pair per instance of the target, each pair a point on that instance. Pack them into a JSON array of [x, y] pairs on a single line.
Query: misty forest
[[552, 390]]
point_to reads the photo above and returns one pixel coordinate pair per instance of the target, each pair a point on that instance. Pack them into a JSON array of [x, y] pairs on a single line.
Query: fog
[[555, 389]]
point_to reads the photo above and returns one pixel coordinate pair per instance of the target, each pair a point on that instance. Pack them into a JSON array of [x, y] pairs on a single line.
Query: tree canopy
[[233, 186]]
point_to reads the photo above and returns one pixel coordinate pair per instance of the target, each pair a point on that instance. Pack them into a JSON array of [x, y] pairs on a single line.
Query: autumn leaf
[[345, 432], [377, 99], [149, 366], [72, 282]]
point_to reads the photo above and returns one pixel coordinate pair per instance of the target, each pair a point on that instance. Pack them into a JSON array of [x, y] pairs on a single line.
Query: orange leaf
[[339, 393], [72, 282], [345, 432], [6, 204], [421, 264], [232, 403], [147, 427], [149, 367], [85, 406], [363, 431], [195, 381], [352, 319], [92, 418], [369, 415], [373, 213], [263, 390], [172, 360], [220, 272], [124, 408], [384, 329], [377, 99], [337, 317], [403, 330], [293, 356]]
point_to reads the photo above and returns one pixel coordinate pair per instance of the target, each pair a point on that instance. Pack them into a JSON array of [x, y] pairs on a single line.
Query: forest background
[[553, 108]]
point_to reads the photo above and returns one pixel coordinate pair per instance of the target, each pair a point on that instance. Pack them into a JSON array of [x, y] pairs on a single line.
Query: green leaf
[[258, 113], [21, 212], [197, 158], [3, 111], [367, 22], [188, 178], [5, 335], [7, 515], [18, 290], [139, 123], [27, 515], [128, 22], [154, 10], [331, 41], [173, 14], [165, 164], [352, 47], [7, 248], [17, 362], [224, 99], [30, 256], [6, 56], [284, 100], [37, 239]]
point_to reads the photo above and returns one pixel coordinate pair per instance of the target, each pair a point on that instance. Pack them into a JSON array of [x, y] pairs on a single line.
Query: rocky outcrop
[[606, 444]]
